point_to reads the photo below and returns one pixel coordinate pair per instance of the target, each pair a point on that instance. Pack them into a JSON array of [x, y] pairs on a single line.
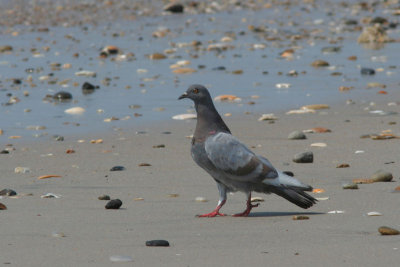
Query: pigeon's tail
[[291, 189], [295, 195]]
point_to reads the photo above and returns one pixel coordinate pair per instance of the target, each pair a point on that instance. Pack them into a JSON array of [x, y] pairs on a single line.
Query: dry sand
[[269, 237]]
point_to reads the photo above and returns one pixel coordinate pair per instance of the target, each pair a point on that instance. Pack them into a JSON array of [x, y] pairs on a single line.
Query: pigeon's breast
[[199, 155]]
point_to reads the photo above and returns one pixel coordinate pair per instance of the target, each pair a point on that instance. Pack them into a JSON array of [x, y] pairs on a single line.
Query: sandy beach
[[32, 225]]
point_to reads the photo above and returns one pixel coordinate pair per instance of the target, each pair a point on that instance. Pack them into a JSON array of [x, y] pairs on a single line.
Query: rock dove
[[232, 165]]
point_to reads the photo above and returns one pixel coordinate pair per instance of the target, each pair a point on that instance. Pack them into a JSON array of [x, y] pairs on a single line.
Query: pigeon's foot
[[248, 209], [214, 213]]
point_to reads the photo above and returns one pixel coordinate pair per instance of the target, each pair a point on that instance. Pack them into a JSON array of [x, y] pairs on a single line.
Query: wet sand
[[269, 236]]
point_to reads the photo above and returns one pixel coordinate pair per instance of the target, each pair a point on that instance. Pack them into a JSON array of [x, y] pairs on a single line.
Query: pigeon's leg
[[221, 202], [248, 208]]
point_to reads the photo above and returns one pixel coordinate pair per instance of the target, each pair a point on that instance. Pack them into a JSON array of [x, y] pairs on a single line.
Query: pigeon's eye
[[195, 90]]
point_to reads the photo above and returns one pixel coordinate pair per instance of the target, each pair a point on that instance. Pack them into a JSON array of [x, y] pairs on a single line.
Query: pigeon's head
[[198, 93]]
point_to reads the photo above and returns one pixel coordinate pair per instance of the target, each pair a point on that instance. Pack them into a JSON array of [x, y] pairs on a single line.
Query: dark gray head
[[198, 93]]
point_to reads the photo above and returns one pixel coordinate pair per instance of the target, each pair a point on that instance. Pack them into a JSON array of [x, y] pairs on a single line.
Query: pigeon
[[233, 166]]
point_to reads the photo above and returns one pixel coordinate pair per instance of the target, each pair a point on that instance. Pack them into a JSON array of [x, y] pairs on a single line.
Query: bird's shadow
[[281, 213]]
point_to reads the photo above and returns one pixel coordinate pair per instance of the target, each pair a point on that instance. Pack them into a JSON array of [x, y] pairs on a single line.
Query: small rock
[[319, 63], [174, 8], [114, 204], [5, 48], [7, 192], [58, 137], [201, 199], [75, 111], [159, 146], [4, 152], [297, 135], [374, 213], [305, 157], [157, 243], [144, 164], [300, 217], [120, 258], [384, 230], [350, 186], [185, 117], [117, 168], [331, 49], [50, 195], [316, 106], [227, 98], [367, 71], [157, 56], [22, 170], [104, 197], [267, 117], [57, 234], [87, 73], [374, 34], [318, 130], [88, 88], [343, 165], [62, 96], [2, 206], [382, 176]]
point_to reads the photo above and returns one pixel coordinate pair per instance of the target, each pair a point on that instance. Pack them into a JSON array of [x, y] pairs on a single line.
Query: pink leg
[[248, 208], [215, 212]]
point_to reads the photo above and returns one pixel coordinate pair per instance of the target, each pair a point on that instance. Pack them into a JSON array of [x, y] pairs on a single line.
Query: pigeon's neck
[[209, 121]]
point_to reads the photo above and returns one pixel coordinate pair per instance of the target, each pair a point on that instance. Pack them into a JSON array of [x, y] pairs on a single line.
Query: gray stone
[[297, 135], [304, 157], [382, 176]]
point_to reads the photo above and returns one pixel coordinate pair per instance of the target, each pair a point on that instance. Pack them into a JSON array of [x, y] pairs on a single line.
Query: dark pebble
[[2, 206], [62, 96], [174, 8], [289, 173], [117, 168], [219, 68], [379, 20], [7, 192], [305, 157], [157, 243], [104, 197], [297, 135], [159, 146], [4, 152], [114, 204], [351, 22], [367, 71], [58, 137], [88, 88]]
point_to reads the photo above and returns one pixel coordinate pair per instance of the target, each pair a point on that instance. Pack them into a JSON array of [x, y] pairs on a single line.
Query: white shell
[[75, 111], [374, 213], [336, 212], [319, 144], [184, 116]]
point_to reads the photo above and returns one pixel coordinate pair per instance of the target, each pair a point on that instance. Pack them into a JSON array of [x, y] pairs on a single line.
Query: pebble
[[320, 63], [86, 73], [7, 192], [120, 258], [2, 206], [367, 71], [184, 71], [316, 106], [374, 213], [22, 170], [157, 243], [228, 98], [318, 130], [343, 165], [5, 48], [57, 234], [382, 176], [268, 117], [304, 157], [300, 111], [283, 85], [384, 230], [58, 138], [88, 88], [104, 197], [350, 186], [144, 164], [157, 56], [331, 49], [50, 195], [297, 135], [75, 111], [159, 146], [201, 199], [185, 117], [318, 145], [114, 204], [62, 96], [117, 168], [300, 217], [174, 8]]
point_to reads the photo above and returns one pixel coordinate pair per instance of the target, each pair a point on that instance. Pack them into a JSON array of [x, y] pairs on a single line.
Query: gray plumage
[[233, 166]]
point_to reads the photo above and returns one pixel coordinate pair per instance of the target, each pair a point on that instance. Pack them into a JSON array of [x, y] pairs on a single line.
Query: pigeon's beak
[[184, 95]]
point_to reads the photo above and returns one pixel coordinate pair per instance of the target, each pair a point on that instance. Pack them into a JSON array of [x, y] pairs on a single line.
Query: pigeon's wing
[[236, 161]]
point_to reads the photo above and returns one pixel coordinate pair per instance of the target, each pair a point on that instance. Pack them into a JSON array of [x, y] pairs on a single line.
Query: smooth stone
[[22, 170], [367, 71], [350, 186], [320, 63], [88, 88], [297, 135], [75, 111], [331, 49], [7, 192], [174, 8], [104, 197], [382, 176], [384, 230], [157, 243], [120, 258], [304, 157], [114, 204], [62, 96], [300, 217], [4, 152], [2, 206], [117, 168]]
